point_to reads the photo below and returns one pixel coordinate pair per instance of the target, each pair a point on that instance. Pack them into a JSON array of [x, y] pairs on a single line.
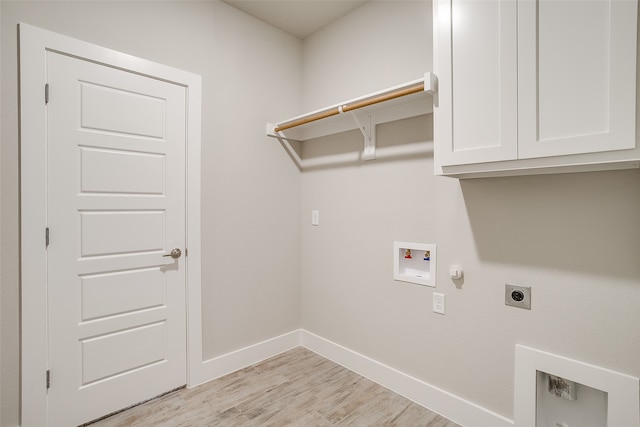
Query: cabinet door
[[576, 76], [475, 60]]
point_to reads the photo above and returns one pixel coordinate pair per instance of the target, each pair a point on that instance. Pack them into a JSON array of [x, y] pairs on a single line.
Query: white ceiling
[[299, 18]]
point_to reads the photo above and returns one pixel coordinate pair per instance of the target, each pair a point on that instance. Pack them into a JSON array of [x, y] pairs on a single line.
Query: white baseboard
[[444, 403], [236, 360]]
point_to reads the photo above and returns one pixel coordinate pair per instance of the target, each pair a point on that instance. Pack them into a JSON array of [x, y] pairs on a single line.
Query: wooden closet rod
[[353, 106], [382, 98], [303, 121]]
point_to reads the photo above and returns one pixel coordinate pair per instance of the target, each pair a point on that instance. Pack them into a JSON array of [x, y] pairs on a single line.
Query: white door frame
[[34, 43]]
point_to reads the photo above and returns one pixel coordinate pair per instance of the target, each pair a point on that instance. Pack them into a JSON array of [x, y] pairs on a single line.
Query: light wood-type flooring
[[295, 388]]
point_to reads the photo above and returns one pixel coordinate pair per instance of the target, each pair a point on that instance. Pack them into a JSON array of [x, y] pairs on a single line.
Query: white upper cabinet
[[477, 80], [576, 76], [538, 86]]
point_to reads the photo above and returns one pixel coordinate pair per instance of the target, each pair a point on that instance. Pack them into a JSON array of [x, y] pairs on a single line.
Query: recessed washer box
[[414, 263]]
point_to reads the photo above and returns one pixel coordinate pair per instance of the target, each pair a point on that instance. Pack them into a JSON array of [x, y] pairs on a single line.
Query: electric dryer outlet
[[517, 296]]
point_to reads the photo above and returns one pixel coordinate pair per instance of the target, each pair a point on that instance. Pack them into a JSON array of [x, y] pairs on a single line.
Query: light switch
[[315, 217]]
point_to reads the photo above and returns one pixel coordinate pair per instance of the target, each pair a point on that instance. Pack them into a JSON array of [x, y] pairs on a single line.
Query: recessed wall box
[[414, 263]]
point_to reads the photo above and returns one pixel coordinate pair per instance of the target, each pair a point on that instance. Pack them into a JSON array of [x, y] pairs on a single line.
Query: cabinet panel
[[576, 76], [476, 64]]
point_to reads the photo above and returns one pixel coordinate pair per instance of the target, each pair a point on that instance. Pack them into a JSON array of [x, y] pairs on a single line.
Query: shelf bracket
[[286, 143], [368, 130]]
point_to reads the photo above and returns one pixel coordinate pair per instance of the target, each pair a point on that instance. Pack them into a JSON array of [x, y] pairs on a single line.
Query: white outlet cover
[[438, 303]]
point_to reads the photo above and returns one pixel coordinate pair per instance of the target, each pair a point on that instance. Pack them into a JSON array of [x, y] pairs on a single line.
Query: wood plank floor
[[295, 388]]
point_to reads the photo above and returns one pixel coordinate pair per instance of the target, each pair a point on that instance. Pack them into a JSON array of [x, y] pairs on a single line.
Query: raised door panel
[[475, 115], [576, 76]]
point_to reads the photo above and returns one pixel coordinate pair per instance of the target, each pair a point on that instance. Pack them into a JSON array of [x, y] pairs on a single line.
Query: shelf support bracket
[[286, 143], [368, 130]]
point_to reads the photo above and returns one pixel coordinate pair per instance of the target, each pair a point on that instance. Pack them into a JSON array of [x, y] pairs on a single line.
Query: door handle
[[175, 253]]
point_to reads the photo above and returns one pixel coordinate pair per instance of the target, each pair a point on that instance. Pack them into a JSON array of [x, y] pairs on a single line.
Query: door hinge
[[46, 93], [48, 379], [46, 237]]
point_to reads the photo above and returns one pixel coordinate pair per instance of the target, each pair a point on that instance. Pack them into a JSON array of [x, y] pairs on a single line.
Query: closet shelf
[[395, 103]]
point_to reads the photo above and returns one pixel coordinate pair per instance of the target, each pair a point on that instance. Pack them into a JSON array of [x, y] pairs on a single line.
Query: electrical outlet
[[517, 296], [438, 303]]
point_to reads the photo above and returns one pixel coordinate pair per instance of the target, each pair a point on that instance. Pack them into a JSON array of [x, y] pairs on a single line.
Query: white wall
[[379, 45], [250, 190], [575, 239]]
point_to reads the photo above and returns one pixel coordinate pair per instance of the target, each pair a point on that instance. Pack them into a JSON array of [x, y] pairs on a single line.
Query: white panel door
[[116, 205], [576, 76], [476, 59]]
